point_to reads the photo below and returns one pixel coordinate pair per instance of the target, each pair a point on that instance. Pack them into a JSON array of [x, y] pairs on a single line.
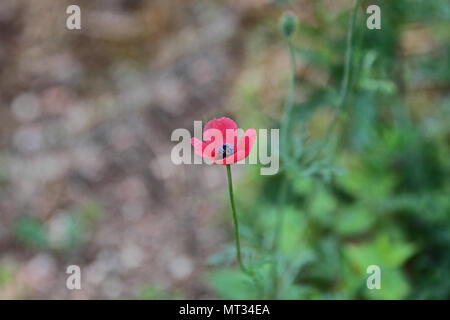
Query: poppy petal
[[244, 147], [223, 124], [246, 142], [213, 136], [199, 147], [228, 123]]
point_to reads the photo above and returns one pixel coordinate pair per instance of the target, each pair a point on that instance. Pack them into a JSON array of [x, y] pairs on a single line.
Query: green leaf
[[31, 232], [292, 231], [394, 286], [322, 206], [381, 252], [354, 220], [232, 284]]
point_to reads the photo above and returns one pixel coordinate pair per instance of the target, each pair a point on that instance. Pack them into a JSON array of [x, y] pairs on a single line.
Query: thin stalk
[[286, 127], [289, 105], [289, 102], [236, 222], [343, 93], [276, 237], [244, 269]]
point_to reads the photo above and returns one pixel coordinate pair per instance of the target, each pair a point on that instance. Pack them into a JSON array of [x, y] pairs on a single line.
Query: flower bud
[[288, 22]]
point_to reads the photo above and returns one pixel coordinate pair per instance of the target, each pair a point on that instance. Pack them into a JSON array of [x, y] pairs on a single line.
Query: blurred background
[[85, 170]]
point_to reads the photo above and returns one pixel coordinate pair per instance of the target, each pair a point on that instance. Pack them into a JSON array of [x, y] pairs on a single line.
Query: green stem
[[289, 103], [246, 271], [236, 223], [345, 80], [285, 127], [276, 237]]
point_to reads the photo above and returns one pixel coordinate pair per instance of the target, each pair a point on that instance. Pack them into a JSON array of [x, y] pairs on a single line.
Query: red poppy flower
[[221, 143]]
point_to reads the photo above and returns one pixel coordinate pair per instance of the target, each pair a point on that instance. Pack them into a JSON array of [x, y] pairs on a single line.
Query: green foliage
[[150, 292], [232, 284], [6, 273], [31, 232], [375, 189], [72, 228], [389, 257]]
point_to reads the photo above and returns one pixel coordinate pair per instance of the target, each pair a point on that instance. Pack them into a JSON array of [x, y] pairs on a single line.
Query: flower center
[[224, 151]]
